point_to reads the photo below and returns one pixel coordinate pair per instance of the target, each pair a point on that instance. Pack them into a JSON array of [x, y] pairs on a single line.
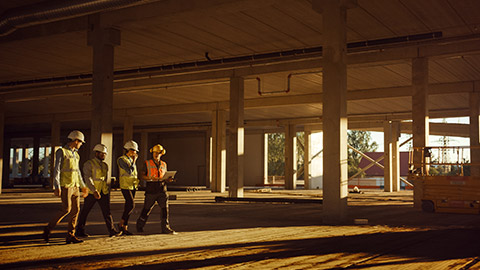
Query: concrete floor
[[245, 235]]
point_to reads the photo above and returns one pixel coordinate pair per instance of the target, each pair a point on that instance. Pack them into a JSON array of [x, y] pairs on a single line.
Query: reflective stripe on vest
[[153, 171], [70, 169], [99, 175], [128, 181]]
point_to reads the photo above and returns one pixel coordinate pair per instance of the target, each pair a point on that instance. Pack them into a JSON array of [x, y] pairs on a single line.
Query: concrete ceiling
[[172, 32]]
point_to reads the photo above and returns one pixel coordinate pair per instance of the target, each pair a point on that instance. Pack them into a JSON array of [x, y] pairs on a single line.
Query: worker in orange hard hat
[[67, 182], [128, 182], [153, 172]]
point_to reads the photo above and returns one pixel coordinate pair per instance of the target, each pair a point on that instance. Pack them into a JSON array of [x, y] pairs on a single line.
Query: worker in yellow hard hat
[[153, 172], [67, 182], [128, 182]]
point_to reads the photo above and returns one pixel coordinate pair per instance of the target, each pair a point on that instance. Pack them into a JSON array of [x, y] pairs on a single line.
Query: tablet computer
[[168, 174]]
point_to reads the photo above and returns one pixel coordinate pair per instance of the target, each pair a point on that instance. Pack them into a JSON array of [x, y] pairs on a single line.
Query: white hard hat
[[76, 135], [131, 145], [100, 148]]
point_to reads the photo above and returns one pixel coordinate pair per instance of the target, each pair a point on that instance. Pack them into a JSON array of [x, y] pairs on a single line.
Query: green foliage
[[360, 140], [276, 154]]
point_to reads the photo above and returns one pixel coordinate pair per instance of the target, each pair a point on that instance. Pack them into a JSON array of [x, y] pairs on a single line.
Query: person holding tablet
[[153, 172]]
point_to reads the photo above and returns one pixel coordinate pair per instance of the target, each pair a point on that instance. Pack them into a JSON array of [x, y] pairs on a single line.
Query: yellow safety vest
[[99, 176], [70, 169], [128, 181]]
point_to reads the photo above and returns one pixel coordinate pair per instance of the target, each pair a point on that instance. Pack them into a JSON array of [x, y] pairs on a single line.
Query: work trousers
[[70, 204], [88, 204], [161, 198], [129, 196]]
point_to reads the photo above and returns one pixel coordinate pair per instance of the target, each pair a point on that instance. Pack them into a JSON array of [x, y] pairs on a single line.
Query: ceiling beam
[[169, 10]]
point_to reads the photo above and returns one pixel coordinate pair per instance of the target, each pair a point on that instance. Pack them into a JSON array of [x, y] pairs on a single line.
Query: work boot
[[72, 239], [80, 232], [166, 229], [140, 224], [125, 231], [165, 223], [114, 232], [46, 234]]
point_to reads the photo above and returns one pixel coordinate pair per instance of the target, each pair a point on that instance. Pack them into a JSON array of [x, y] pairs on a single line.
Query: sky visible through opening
[[433, 139]]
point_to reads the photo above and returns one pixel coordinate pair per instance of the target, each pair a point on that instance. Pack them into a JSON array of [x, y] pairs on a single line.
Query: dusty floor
[[245, 235]]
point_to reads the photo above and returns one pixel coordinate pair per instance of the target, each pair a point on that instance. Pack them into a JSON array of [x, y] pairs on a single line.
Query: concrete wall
[[185, 154]]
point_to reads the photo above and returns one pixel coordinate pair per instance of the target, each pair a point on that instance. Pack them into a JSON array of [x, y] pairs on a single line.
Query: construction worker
[[152, 172], [67, 180], [128, 182], [95, 172]]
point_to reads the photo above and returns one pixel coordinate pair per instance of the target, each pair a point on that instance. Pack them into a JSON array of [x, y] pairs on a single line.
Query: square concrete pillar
[[290, 157], [265, 158], [127, 129], [335, 177], [474, 133], [396, 132], [2, 141], [102, 39], [55, 145], [235, 152], [420, 128], [387, 152], [306, 158], [219, 151]]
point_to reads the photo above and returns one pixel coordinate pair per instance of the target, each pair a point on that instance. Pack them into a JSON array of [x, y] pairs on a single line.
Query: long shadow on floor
[[417, 246]]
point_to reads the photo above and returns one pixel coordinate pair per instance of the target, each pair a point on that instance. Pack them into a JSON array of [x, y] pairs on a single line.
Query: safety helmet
[[100, 148], [76, 135], [131, 145], [158, 148]]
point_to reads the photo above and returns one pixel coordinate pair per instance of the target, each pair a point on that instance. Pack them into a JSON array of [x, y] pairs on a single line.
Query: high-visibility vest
[[70, 169], [153, 171], [99, 176], [127, 180]]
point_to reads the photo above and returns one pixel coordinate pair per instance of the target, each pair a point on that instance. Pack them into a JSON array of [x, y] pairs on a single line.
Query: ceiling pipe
[[232, 60], [48, 11]]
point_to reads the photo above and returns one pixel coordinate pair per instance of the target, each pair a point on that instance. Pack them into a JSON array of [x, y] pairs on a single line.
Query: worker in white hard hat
[[128, 182], [95, 172], [153, 172], [67, 182]]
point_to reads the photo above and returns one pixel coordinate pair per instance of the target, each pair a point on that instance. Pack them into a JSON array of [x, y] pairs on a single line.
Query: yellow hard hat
[[158, 148]]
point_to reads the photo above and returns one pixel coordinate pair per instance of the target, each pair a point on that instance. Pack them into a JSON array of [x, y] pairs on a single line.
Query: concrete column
[[235, 153], [395, 154], [265, 158], [2, 138], [290, 157], [25, 167], [335, 178], [102, 39], [474, 133], [127, 129], [219, 151], [46, 161], [387, 152], [144, 151], [55, 142], [15, 162], [306, 158], [420, 129], [5, 180], [208, 157], [35, 158]]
